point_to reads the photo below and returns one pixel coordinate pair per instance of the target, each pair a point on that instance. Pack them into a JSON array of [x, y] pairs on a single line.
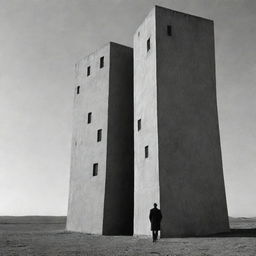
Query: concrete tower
[[101, 180], [177, 145]]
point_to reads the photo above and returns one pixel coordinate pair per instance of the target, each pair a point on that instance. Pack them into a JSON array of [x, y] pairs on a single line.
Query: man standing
[[155, 217]]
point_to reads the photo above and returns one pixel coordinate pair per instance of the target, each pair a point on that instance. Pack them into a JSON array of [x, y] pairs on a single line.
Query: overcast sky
[[40, 41]]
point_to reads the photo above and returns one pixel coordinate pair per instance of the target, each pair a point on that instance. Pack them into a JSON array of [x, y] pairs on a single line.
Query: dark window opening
[[88, 70], [101, 62], [146, 152], [169, 30], [77, 89], [139, 33], [95, 169], [148, 44], [99, 135], [89, 118], [139, 124]]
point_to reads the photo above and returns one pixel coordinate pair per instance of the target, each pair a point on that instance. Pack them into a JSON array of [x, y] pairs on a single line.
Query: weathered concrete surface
[[192, 190], [89, 195], [86, 198], [146, 183], [192, 193]]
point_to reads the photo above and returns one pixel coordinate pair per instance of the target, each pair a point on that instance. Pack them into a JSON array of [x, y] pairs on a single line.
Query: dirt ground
[[47, 236]]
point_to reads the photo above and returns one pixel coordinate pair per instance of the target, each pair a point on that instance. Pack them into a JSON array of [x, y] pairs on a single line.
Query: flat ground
[[47, 236]]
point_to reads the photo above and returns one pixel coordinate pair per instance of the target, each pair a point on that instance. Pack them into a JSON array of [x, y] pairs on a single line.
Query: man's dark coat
[[155, 217]]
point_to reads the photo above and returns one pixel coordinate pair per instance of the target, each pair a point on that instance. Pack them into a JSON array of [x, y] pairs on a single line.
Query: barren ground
[[47, 236]]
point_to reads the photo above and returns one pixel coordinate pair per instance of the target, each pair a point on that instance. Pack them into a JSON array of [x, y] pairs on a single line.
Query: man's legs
[[155, 234]]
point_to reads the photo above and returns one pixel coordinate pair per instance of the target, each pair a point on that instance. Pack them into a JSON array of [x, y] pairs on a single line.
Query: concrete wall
[[86, 198], [118, 208], [192, 192], [103, 204], [175, 96], [146, 187]]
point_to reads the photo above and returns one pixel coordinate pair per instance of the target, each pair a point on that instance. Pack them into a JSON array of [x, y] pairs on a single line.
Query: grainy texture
[[50, 239]]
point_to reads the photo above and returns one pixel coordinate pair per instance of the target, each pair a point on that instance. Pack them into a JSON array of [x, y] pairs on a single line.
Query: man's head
[[155, 205]]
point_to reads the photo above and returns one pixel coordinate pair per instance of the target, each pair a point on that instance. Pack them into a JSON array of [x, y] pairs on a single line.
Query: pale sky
[[40, 42]]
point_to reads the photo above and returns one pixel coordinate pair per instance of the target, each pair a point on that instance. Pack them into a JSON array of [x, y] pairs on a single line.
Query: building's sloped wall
[[192, 192], [118, 206], [86, 198], [146, 187]]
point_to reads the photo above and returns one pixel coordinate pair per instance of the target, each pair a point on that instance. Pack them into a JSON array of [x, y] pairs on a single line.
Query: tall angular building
[[101, 179], [178, 160]]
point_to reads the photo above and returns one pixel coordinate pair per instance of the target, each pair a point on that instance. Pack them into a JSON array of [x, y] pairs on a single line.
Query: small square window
[[99, 135], [77, 89], [88, 70], [95, 169], [146, 152], [169, 30], [148, 44], [89, 118], [101, 62], [139, 124]]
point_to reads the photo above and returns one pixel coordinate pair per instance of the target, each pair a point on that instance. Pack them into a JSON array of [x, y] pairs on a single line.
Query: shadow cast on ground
[[250, 232]]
